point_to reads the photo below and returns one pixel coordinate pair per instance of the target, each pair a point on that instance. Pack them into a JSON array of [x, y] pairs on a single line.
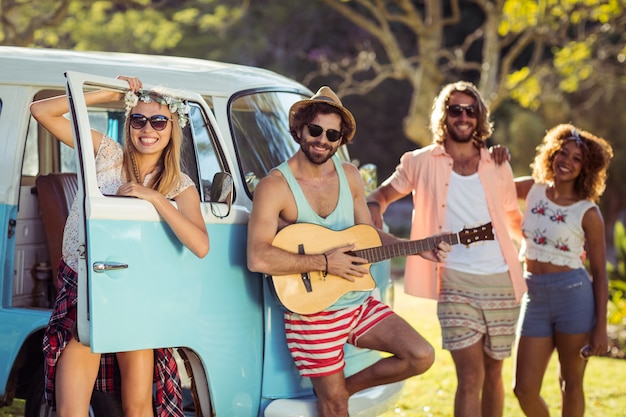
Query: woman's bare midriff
[[537, 267]]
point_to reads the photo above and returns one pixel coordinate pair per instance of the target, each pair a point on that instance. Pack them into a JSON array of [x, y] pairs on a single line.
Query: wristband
[[326, 260], [373, 203]]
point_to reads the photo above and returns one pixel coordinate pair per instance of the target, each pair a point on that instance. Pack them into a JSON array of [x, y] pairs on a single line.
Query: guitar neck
[[400, 249]]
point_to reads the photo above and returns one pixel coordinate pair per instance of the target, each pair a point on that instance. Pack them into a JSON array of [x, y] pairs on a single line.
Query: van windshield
[[260, 129]]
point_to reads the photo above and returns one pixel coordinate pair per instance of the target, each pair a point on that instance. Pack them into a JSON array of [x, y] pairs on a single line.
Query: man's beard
[[315, 158], [459, 139]]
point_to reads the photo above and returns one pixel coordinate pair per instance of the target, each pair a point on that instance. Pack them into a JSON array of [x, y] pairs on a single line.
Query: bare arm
[[271, 197], [593, 225], [522, 186], [186, 221], [381, 198], [363, 214], [49, 112]]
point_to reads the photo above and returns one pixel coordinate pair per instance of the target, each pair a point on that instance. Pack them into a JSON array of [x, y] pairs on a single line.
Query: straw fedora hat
[[326, 95]]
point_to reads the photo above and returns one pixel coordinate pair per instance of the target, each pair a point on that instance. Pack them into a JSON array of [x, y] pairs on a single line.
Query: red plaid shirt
[[59, 332]]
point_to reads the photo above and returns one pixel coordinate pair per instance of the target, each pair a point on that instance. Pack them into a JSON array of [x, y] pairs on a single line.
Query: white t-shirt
[[467, 207]]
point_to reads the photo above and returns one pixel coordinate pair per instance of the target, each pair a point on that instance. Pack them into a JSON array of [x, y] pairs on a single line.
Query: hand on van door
[[133, 189], [186, 222], [134, 83], [50, 112]]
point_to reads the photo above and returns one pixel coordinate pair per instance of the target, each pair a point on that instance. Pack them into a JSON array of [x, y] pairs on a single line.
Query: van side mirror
[[221, 194]]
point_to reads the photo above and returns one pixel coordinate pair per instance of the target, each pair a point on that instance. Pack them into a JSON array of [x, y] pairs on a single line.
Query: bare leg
[[412, 354], [492, 399], [571, 372], [470, 372], [137, 371], [533, 355], [332, 395], [76, 372]]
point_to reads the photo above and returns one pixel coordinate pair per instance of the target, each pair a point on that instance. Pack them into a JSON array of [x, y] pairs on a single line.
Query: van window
[[200, 157], [208, 156], [44, 153], [260, 127], [103, 120], [30, 163]]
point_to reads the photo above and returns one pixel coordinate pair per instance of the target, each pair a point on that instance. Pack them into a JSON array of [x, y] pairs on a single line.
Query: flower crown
[[175, 105]]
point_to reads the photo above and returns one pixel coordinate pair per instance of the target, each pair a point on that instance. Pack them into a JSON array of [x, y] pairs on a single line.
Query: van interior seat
[[56, 194]]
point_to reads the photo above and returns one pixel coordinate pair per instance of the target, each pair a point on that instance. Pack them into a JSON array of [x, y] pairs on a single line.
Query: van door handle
[[110, 266]]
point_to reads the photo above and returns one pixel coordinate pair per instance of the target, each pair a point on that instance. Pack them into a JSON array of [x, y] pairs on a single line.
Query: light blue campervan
[[138, 287]]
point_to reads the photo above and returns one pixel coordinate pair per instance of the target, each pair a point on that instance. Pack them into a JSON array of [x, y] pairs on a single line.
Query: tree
[[509, 48], [144, 26], [20, 19], [538, 63]]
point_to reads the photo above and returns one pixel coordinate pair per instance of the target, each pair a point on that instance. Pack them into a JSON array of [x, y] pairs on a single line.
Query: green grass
[[432, 394], [14, 410]]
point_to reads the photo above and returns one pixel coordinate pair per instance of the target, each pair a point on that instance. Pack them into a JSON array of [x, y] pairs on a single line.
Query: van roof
[[46, 68]]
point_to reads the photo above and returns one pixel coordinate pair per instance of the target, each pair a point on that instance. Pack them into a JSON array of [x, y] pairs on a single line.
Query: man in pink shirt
[[456, 185]]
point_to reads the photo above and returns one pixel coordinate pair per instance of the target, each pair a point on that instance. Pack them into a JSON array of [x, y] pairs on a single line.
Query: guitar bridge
[[306, 277]]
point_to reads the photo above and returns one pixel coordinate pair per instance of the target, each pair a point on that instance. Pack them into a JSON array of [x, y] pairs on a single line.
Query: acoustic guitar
[[312, 292]]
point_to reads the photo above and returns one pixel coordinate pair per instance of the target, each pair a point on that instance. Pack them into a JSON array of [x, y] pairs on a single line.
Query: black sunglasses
[[455, 110], [158, 122], [331, 134]]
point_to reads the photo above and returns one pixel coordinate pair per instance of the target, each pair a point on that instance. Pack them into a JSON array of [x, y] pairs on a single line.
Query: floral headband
[[175, 105]]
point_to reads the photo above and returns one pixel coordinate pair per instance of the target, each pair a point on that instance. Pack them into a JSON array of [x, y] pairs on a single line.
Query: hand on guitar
[[349, 254], [438, 254], [345, 264]]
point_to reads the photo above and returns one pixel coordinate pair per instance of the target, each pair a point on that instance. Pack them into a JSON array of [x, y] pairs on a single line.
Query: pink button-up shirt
[[426, 173]]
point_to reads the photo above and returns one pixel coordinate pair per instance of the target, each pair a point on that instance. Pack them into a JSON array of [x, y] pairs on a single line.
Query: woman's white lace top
[[110, 177]]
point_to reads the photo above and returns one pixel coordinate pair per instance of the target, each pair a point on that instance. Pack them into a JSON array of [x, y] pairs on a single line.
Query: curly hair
[[307, 113], [596, 151], [484, 127]]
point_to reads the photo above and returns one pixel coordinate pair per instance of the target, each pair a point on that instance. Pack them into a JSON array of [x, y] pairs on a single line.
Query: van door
[[140, 288]]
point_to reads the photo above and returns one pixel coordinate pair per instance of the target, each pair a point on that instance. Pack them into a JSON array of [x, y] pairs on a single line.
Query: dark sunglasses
[[331, 134], [158, 122], [455, 110]]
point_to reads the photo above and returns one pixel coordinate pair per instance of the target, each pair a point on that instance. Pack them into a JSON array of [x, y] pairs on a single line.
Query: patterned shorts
[[316, 341], [472, 306]]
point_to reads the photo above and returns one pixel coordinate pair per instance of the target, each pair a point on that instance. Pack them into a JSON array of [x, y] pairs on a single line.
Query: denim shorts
[[559, 302]]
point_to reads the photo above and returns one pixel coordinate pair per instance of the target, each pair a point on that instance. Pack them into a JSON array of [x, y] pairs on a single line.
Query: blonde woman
[[146, 167]]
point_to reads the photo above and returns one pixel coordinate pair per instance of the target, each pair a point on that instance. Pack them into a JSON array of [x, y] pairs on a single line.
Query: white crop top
[[553, 233]]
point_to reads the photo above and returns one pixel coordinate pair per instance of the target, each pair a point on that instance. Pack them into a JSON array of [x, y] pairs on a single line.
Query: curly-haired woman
[[565, 306]]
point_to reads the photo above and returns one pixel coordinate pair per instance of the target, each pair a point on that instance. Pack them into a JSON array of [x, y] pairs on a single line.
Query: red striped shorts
[[316, 341]]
